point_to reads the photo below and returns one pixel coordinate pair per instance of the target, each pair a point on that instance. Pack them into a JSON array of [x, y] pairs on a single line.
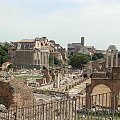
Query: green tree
[[54, 60], [78, 60], [97, 56], [4, 52]]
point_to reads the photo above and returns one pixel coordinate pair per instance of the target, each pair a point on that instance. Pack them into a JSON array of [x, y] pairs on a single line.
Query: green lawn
[[27, 76]]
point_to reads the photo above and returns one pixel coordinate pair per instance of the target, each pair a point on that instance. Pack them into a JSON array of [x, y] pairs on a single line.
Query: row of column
[[42, 58], [112, 59]]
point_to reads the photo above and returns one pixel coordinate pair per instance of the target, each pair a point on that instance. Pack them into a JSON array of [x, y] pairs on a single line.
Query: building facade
[[58, 52], [34, 53], [73, 48], [31, 53], [80, 48]]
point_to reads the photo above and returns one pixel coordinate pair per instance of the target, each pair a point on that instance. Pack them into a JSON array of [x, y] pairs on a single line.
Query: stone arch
[[95, 82], [111, 84], [97, 89], [6, 66]]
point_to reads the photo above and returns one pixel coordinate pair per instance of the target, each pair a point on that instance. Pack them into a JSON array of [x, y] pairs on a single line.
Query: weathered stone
[[15, 93]]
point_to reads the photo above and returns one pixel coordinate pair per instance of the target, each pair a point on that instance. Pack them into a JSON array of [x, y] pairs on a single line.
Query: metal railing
[[68, 109]]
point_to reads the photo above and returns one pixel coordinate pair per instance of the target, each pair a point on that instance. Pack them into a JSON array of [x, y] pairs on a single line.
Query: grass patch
[[27, 76]]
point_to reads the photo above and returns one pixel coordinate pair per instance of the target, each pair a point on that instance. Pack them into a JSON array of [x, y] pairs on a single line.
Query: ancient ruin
[[14, 93], [112, 82], [109, 77], [111, 57]]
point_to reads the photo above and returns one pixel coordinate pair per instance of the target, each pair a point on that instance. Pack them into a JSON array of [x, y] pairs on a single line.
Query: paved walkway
[[79, 88]]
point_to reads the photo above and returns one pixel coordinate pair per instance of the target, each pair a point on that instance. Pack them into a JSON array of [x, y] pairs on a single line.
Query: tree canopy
[[77, 61], [56, 61], [97, 56], [4, 53]]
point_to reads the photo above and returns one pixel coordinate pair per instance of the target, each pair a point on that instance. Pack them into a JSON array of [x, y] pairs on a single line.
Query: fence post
[[88, 101], [15, 113], [113, 105]]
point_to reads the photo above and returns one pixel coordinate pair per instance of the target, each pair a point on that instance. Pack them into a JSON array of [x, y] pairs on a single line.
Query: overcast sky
[[65, 21]]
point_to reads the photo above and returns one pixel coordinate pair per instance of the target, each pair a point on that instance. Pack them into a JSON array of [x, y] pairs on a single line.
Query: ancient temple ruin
[[112, 57]]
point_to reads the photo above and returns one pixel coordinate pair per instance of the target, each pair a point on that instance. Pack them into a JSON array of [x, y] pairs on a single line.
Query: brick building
[[80, 48], [34, 53], [59, 51], [31, 53]]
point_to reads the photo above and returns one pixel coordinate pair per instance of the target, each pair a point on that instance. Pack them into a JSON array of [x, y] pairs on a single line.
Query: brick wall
[[24, 57]]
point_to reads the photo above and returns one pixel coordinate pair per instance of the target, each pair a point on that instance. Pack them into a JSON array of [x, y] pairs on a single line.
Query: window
[[41, 44]]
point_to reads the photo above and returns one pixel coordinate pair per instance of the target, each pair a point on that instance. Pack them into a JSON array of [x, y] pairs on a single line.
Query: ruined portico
[[112, 57], [112, 82]]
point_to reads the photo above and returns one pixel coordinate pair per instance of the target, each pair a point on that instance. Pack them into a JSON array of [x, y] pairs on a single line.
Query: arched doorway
[[110, 101], [6, 66], [101, 96]]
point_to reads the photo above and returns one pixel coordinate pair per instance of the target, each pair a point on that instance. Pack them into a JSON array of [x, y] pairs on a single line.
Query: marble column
[[45, 59], [116, 64], [112, 56], [107, 60], [48, 59], [41, 58]]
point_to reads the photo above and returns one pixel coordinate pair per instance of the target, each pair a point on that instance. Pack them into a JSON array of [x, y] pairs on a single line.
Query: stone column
[[37, 58], [116, 64], [112, 56], [114, 102], [41, 58], [45, 59], [48, 60], [107, 60], [88, 100]]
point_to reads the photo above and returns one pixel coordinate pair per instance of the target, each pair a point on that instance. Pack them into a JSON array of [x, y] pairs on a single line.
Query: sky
[[64, 21]]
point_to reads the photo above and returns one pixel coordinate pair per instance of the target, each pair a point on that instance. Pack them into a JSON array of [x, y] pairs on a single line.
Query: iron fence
[[68, 109]]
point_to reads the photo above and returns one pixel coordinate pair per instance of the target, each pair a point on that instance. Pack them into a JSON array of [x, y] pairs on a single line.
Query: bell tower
[[82, 41]]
